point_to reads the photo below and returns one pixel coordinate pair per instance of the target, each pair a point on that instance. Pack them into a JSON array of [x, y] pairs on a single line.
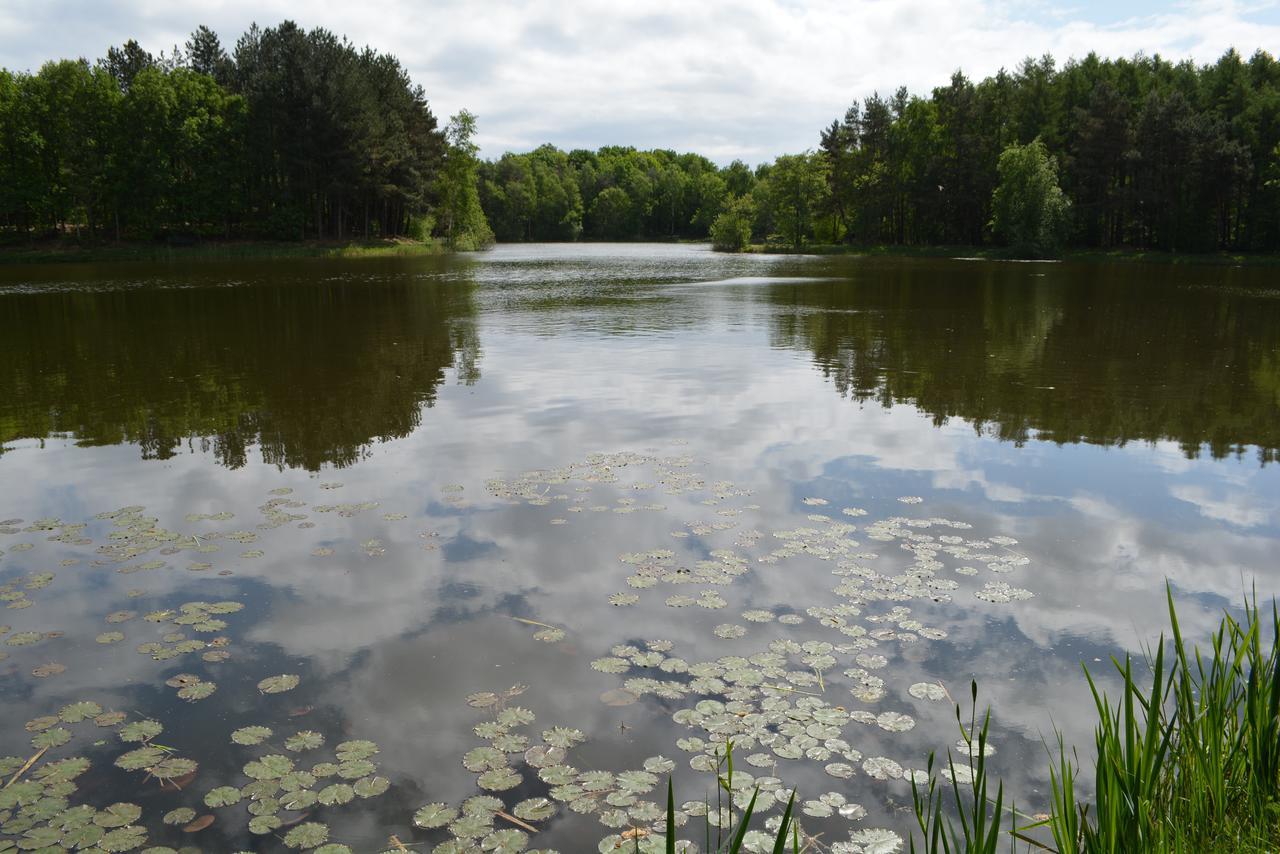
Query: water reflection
[[393, 614], [1106, 354], [308, 368]]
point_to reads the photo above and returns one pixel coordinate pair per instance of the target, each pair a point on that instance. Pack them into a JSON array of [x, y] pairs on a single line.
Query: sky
[[746, 79]]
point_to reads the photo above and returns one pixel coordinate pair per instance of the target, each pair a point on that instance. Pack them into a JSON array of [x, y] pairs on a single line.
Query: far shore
[[71, 251]]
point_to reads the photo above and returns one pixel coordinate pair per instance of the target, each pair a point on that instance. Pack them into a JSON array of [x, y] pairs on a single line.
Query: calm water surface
[[424, 480]]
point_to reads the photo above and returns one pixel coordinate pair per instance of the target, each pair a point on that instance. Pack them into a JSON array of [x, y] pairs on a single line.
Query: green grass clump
[[1187, 762]]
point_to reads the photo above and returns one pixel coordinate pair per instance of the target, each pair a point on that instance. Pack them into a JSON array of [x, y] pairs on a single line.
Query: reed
[[1187, 758]]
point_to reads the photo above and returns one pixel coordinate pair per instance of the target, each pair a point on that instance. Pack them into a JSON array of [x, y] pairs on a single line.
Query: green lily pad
[[299, 799], [358, 749], [354, 769], [223, 796], [55, 737], [371, 787], [41, 723], [83, 837], [498, 779], [251, 735], [434, 815], [141, 730], [271, 767], [278, 685], [117, 815], [304, 740], [535, 809], [74, 713], [173, 767], [143, 757], [264, 824], [123, 839], [198, 691], [338, 793], [308, 835], [107, 719], [181, 815]]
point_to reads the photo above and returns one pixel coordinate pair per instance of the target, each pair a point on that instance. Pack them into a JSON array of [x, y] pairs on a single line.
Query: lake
[[321, 548]]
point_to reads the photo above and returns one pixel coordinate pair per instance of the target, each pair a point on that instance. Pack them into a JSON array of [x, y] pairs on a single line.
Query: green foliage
[[1151, 154], [1187, 762], [726, 839], [462, 222], [977, 827], [1190, 762], [731, 231], [615, 193], [613, 214], [295, 134], [792, 195], [1029, 210]]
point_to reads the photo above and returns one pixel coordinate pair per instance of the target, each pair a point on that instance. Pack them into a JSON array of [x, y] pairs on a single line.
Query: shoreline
[[987, 253], [217, 250], [71, 253]]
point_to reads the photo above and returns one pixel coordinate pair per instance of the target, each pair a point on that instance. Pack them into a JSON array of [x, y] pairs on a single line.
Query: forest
[[292, 134], [1099, 153], [296, 134]]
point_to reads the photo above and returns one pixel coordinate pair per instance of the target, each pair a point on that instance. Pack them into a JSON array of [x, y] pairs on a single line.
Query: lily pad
[[264, 824], [336, 794], [223, 796], [308, 835], [304, 740], [198, 691], [278, 685], [371, 787], [434, 815], [181, 815], [357, 749], [144, 730], [117, 815], [251, 735]]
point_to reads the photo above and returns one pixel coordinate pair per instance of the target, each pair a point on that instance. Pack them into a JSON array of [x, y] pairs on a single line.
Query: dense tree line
[[1149, 153], [291, 134], [615, 193], [1099, 153], [297, 133]]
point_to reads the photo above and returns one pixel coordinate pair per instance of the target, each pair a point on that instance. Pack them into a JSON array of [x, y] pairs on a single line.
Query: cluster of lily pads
[[36, 813], [769, 695], [759, 700]]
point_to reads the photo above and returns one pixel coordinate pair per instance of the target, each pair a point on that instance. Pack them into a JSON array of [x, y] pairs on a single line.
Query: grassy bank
[[1228, 259], [70, 251]]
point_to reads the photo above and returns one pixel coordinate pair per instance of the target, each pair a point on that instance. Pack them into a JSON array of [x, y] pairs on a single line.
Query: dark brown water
[[695, 425]]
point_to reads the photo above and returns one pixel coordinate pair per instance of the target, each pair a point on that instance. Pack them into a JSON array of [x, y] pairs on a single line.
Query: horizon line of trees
[[298, 134], [1099, 153], [292, 134]]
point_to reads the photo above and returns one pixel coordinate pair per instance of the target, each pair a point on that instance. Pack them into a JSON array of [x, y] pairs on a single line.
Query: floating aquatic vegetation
[[304, 740], [181, 815], [999, 592], [250, 735], [927, 691], [279, 684]]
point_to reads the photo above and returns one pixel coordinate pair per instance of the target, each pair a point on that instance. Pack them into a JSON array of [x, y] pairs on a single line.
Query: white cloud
[[1236, 507], [748, 79]]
